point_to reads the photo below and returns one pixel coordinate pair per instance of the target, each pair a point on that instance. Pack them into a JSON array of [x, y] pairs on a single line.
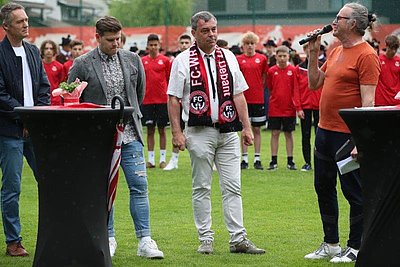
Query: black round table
[[376, 132], [73, 148]]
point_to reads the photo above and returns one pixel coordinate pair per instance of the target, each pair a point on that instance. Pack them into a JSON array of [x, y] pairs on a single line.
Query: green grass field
[[280, 215]]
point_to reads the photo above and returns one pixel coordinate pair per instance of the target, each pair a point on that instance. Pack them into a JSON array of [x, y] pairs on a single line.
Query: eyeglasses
[[339, 18]]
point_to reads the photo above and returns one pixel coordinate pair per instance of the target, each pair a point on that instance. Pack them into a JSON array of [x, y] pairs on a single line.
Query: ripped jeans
[[133, 165]]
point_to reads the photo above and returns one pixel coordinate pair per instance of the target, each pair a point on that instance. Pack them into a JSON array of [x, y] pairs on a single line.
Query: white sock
[[245, 157], [144, 239], [257, 157], [163, 154], [175, 156], [151, 157]]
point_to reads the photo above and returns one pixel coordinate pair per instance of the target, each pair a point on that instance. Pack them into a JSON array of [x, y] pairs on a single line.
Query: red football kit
[[67, 65], [55, 74], [284, 98], [389, 81], [309, 99], [253, 69], [157, 72]]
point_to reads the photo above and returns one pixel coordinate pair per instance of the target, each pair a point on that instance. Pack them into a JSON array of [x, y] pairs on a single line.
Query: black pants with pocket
[[325, 180]]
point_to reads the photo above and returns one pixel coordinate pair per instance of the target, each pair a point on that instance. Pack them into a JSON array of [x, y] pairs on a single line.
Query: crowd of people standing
[[206, 92], [278, 80]]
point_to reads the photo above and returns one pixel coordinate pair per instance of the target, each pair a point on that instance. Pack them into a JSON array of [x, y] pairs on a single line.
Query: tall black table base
[[377, 136], [73, 148]]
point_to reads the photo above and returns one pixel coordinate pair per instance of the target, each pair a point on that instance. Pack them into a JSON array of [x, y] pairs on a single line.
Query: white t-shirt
[[26, 74], [179, 81]]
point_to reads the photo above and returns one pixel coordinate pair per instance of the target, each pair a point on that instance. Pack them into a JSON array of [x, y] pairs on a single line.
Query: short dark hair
[[185, 36], [108, 24], [222, 43], [75, 42], [202, 15], [7, 9], [282, 49], [392, 41], [270, 43], [153, 37]]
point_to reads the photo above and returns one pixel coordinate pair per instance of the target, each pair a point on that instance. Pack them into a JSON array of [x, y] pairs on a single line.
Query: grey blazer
[[88, 68]]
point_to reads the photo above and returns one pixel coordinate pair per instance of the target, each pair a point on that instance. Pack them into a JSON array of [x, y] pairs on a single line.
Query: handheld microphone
[[325, 29]]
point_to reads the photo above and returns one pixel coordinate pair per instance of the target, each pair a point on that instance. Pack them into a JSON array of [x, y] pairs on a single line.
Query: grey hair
[[6, 10], [362, 17], [202, 15]]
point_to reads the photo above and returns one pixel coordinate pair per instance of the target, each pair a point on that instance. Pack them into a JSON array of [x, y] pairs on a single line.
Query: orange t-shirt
[[345, 70]]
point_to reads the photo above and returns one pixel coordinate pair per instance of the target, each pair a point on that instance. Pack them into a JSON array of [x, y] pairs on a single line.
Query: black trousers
[[325, 180], [311, 118]]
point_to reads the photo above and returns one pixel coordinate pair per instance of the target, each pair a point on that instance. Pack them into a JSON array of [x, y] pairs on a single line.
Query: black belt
[[215, 125]]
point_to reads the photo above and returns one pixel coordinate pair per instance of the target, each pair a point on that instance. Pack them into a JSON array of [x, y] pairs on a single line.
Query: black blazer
[[12, 89]]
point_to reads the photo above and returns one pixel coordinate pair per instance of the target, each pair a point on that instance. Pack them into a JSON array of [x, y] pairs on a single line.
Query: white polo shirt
[[179, 81]]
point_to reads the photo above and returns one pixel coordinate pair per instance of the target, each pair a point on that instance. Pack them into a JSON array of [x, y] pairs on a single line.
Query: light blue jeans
[[133, 165], [12, 152]]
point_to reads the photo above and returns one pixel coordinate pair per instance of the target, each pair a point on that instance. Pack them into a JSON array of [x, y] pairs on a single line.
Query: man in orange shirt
[[348, 79]]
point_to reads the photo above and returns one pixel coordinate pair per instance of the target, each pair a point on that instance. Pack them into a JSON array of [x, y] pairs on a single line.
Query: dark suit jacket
[[88, 68], [12, 87]]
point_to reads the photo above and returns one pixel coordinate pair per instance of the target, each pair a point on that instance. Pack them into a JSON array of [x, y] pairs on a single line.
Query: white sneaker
[[323, 252], [172, 164], [347, 255], [149, 249], [112, 243]]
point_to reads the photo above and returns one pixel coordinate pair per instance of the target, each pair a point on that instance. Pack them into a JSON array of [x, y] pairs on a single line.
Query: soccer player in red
[[389, 79], [309, 100], [254, 67], [53, 68], [185, 41], [76, 51], [284, 103], [154, 108]]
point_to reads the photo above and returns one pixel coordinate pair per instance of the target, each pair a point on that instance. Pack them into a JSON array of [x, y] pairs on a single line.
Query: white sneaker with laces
[[172, 164], [112, 243], [347, 255], [206, 247], [149, 249], [323, 252]]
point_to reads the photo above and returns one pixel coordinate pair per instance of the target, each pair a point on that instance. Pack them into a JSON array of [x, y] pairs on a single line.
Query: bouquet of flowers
[[70, 92]]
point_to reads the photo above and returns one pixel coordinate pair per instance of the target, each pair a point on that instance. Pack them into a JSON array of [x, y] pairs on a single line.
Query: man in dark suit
[[111, 71], [23, 82]]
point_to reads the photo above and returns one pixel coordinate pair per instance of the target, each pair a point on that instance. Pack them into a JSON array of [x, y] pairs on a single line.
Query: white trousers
[[206, 146]]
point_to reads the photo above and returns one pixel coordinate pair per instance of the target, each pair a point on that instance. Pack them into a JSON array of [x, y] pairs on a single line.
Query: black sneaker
[[272, 166], [292, 167], [306, 167], [244, 165], [258, 165]]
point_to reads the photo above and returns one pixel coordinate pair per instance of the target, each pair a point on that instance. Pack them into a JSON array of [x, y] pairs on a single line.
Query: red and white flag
[[115, 162]]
